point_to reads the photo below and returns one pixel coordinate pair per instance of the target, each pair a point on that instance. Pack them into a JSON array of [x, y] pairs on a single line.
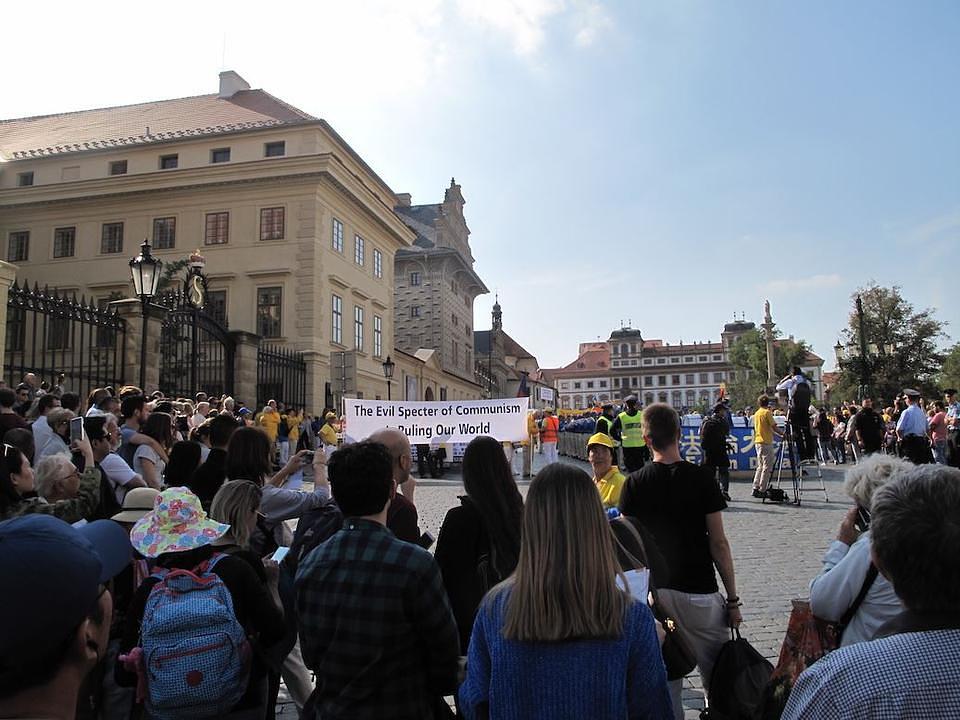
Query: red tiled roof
[[593, 362], [145, 123]]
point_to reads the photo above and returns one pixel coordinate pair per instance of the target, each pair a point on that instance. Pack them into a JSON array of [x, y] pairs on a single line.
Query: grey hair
[[915, 534], [871, 473], [48, 472]]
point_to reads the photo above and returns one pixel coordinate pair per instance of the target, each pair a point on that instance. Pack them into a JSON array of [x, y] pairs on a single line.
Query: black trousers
[[802, 437], [916, 449], [635, 457]]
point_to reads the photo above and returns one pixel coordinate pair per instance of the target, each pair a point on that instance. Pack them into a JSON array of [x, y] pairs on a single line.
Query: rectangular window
[[661, 380], [64, 242], [648, 380], [358, 250], [275, 149], [661, 361], [18, 247], [455, 349], [603, 383], [58, 333], [118, 167], [220, 155], [269, 311], [358, 328], [689, 379], [169, 162], [337, 235], [216, 306], [704, 378], [576, 386], [414, 311], [414, 279], [675, 379], [111, 238], [718, 377], [674, 360], [25, 179], [589, 384], [377, 263], [718, 358], [702, 358], [616, 382], [164, 233], [377, 336], [271, 223], [337, 315], [217, 230]]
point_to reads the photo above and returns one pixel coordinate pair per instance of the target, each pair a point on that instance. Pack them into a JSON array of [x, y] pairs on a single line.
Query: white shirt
[[148, 453], [41, 432], [790, 384], [118, 473]]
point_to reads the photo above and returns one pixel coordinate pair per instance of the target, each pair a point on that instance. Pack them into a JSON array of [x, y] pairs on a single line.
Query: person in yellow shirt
[[294, 418], [269, 420], [606, 476], [328, 434], [533, 432], [764, 430]]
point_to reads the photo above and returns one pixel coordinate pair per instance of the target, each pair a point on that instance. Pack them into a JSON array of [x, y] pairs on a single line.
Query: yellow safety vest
[[631, 431]]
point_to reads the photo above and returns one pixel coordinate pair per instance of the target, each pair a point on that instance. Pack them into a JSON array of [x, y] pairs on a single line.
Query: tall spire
[[497, 313]]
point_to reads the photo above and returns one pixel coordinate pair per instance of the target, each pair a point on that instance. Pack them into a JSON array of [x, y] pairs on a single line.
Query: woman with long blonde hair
[[560, 638]]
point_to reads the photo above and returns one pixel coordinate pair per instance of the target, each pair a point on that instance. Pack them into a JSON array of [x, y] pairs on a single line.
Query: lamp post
[[388, 366], [860, 356], [145, 273]]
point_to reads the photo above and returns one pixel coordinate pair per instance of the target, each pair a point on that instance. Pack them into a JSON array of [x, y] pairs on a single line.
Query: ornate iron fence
[[281, 376], [72, 343], [196, 351]]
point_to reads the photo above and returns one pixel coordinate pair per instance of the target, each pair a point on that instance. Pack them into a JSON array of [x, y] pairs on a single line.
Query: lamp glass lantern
[[388, 366], [145, 272]]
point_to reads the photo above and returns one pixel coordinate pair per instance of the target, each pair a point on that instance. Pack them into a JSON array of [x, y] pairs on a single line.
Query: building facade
[[435, 283], [299, 233], [686, 376]]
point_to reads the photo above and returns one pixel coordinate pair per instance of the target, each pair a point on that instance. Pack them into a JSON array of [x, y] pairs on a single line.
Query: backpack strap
[[637, 562], [868, 581]]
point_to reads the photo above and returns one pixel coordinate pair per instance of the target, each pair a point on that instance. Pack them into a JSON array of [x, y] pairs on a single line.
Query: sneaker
[[758, 493], [726, 495]]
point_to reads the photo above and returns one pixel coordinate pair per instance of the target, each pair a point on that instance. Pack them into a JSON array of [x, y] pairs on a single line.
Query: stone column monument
[[768, 326]]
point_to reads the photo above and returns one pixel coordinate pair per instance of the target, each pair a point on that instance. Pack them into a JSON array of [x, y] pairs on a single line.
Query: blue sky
[[669, 163]]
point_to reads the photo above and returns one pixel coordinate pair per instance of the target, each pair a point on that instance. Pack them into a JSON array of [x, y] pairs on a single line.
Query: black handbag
[[678, 656]]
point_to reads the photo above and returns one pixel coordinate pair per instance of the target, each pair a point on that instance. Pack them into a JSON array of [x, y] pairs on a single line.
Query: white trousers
[[550, 452]]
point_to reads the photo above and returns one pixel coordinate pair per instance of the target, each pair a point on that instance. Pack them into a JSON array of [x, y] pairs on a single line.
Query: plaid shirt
[[375, 625], [909, 676]]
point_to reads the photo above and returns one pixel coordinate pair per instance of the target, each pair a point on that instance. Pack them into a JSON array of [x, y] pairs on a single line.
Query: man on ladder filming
[[799, 394]]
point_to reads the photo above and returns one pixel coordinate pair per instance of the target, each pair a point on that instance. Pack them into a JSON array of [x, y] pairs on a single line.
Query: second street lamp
[[145, 273], [388, 366]]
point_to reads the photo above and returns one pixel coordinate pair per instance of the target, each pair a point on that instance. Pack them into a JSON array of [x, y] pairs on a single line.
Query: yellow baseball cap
[[600, 439]]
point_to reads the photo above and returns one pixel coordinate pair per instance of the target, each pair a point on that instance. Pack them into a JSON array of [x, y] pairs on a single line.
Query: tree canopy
[[749, 359], [902, 346]]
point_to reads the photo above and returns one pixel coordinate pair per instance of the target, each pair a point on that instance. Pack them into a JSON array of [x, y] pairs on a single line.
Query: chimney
[[230, 84], [404, 199]]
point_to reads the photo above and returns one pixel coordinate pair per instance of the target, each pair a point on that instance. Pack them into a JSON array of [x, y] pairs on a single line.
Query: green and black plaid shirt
[[375, 626]]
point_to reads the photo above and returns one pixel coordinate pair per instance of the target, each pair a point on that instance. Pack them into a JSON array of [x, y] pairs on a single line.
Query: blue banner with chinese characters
[[741, 449]]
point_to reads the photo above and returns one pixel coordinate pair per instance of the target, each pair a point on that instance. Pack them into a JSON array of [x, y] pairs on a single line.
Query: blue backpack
[[196, 653]]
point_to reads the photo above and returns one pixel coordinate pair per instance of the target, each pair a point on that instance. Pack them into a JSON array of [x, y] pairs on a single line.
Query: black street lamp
[[860, 356], [388, 366], [145, 272]]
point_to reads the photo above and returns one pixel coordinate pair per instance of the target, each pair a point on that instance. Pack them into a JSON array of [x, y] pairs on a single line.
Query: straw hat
[[137, 503]]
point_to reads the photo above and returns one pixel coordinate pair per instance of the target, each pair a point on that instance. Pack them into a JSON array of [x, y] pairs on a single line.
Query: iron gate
[[196, 351]]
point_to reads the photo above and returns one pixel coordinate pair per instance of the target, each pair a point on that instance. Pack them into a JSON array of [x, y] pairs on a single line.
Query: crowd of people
[[160, 580]]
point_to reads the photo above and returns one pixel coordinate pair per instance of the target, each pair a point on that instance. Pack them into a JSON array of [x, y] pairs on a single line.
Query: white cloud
[[591, 19], [522, 21], [813, 282]]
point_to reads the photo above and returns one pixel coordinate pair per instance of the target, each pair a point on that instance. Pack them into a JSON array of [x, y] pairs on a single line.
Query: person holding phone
[[847, 565]]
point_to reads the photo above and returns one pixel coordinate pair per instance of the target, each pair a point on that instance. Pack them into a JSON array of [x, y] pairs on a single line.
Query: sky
[[664, 164]]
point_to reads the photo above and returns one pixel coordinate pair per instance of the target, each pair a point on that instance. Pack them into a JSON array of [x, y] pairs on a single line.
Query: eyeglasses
[[75, 473], [7, 447]]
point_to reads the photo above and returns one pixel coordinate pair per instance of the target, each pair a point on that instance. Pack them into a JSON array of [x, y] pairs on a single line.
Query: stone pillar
[[768, 326], [246, 345], [8, 273], [131, 311], [318, 370]]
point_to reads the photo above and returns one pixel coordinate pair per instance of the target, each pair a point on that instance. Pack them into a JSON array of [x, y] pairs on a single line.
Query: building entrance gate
[[196, 350]]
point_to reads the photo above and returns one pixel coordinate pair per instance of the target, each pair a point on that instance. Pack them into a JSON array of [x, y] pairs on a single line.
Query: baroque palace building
[[684, 375], [299, 233]]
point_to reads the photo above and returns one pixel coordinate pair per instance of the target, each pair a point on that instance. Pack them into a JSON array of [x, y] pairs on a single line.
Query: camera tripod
[[788, 445]]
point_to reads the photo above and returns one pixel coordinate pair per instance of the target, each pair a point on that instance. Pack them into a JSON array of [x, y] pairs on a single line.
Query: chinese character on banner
[[690, 446]]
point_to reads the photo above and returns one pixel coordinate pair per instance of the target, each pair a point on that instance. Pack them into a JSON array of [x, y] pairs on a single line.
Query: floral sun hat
[[177, 523]]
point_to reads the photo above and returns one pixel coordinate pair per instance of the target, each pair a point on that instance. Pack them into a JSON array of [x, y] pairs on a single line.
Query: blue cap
[[613, 513], [53, 572]]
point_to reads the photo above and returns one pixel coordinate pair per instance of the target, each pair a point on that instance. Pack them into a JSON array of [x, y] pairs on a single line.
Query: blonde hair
[[565, 584], [232, 504], [872, 472]]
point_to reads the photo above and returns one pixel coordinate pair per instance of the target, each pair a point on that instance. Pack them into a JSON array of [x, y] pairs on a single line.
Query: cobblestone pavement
[[776, 548]]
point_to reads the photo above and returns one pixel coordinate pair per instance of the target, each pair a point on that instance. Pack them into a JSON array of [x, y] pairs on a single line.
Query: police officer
[[628, 426], [912, 431], [606, 420]]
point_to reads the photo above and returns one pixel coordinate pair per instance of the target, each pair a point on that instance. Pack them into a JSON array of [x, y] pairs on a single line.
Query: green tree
[[901, 346], [171, 275], [749, 359], [950, 370]]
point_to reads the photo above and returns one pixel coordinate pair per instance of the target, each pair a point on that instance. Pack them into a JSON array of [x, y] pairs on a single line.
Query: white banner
[[447, 421]]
